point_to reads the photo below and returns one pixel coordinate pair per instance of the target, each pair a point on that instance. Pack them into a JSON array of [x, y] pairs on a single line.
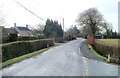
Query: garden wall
[[15, 49]]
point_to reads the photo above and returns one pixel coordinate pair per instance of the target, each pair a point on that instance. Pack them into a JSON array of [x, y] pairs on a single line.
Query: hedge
[[107, 49], [15, 49], [59, 40]]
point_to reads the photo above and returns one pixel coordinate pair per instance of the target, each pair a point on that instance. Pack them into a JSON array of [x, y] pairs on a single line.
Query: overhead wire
[[29, 10]]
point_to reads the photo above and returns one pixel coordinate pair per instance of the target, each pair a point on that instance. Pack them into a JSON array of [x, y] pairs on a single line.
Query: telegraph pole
[[63, 27]]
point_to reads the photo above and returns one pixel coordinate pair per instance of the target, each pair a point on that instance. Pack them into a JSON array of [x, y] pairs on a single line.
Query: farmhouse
[[21, 31], [15, 33]]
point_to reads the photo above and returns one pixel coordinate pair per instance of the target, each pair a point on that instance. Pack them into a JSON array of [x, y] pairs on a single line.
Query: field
[[107, 47], [110, 41]]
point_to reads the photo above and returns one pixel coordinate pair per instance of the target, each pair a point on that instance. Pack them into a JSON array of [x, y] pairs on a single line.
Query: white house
[[23, 31]]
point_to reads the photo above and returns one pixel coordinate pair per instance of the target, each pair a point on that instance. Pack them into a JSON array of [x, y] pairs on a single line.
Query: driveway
[[64, 60]]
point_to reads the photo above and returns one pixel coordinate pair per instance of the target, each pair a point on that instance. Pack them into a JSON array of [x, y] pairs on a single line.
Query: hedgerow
[[18, 48]]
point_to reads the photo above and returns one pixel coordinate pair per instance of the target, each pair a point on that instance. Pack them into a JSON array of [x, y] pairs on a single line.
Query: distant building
[[18, 32], [11, 31], [98, 37], [23, 31]]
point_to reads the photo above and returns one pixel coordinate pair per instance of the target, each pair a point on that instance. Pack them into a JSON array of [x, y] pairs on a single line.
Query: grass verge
[[17, 59], [95, 53]]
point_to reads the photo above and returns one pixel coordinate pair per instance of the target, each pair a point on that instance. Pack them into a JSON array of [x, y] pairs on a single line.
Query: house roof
[[23, 28], [11, 30]]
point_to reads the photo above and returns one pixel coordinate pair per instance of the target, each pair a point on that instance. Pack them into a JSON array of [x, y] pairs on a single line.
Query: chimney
[[14, 24], [27, 26]]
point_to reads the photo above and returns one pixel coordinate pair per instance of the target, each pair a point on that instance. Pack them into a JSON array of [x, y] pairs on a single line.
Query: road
[[64, 60]]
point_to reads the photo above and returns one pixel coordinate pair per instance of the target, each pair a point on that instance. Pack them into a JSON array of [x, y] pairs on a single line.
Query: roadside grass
[[109, 41], [95, 53], [20, 58]]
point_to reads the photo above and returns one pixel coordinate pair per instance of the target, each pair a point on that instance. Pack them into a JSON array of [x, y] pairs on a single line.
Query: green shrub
[[41, 37], [59, 40], [13, 37], [15, 49], [107, 49], [19, 39]]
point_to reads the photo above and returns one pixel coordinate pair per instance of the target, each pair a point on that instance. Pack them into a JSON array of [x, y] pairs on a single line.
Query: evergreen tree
[[53, 29]]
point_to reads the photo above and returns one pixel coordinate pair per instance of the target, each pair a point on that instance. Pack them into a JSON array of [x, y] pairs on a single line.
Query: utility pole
[[63, 27]]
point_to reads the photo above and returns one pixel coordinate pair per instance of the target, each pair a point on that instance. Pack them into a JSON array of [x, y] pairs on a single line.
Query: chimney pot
[[14, 24], [27, 26]]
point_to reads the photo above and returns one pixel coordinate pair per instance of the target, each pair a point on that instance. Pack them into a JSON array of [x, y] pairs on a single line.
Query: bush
[[12, 37], [59, 40], [41, 37], [69, 37], [106, 49], [15, 49]]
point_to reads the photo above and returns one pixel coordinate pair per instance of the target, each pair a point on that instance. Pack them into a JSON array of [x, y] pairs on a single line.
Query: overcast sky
[[56, 10]]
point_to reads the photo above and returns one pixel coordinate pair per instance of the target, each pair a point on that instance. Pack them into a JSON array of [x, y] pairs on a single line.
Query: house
[[15, 33], [22, 32], [11, 31]]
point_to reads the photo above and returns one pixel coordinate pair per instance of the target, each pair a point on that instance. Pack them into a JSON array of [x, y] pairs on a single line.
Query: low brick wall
[[90, 40]]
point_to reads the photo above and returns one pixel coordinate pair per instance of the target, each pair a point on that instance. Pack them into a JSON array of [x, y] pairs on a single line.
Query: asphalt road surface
[[64, 60]]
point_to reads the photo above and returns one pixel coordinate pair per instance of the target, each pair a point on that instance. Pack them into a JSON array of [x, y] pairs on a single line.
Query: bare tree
[[1, 21], [3, 32], [73, 30], [38, 30], [107, 27], [40, 27], [92, 20], [85, 31], [1, 16]]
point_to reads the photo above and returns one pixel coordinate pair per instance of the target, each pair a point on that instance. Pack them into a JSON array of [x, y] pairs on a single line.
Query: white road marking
[[86, 72]]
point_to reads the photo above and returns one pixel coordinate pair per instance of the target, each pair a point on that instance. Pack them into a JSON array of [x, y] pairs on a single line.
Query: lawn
[[110, 41]]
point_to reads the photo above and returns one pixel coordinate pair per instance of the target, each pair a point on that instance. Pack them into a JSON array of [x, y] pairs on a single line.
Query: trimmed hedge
[[107, 49], [15, 49]]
